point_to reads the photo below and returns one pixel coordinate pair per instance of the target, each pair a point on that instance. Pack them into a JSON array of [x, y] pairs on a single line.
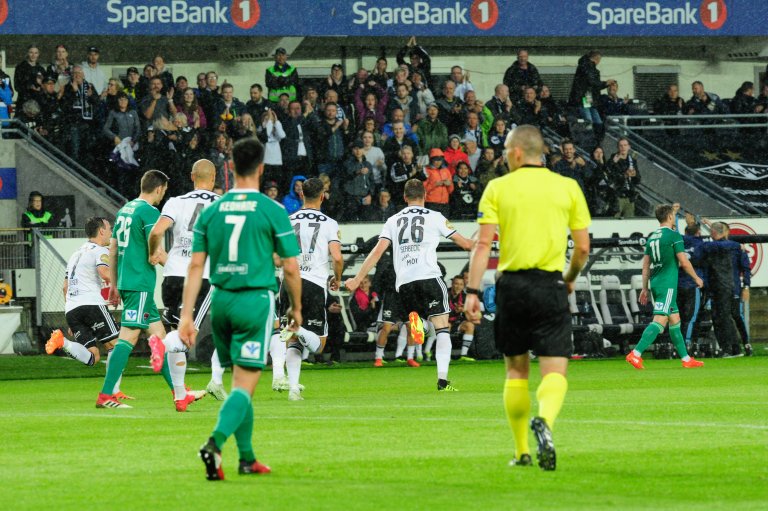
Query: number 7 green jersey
[[240, 232], [662, 246], [131, 230]]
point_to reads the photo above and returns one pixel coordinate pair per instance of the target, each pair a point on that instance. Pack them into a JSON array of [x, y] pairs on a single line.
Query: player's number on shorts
[[238, 222], [123, 232], [315, 226], [417, 229], [655, 251]]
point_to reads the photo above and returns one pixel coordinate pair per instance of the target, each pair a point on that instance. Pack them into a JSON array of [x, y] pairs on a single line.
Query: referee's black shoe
[[546, 446], [523, 461]]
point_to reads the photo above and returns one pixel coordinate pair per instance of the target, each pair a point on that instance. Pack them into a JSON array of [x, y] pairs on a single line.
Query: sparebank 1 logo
[[754, 250], [3, 11], [245, 13], [484, 13], [713, 13]]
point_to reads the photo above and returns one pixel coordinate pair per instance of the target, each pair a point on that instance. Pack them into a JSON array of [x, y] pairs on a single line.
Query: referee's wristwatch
[[472, 291]]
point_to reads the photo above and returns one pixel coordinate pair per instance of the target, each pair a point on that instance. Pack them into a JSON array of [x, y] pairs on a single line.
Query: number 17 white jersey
[[415, 233], [314, 232]]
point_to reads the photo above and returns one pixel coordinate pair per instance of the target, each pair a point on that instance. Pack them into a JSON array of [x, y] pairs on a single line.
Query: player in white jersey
[[85, 308], [318, 236], [181, 213], [414, 234]]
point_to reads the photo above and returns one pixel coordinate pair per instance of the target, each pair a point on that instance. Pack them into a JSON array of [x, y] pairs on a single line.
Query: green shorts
[[242, 326], [664, 301], [139, 309]]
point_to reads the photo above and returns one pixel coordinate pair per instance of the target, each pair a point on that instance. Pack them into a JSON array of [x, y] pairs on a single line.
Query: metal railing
[[688, 121], [15, 249], [55, 154], [674, 166]]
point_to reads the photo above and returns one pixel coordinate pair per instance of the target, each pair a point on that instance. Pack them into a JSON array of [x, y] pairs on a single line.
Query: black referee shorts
[[532, 313]]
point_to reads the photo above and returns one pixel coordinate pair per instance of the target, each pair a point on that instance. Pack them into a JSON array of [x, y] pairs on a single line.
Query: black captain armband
[[472, 291]]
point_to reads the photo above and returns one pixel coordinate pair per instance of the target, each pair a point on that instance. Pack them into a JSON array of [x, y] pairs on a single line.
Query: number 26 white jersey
[[415, 233], [314, 232]]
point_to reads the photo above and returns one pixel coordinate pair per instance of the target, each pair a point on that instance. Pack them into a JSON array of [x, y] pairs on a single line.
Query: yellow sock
[[551, 394], [517, 404]]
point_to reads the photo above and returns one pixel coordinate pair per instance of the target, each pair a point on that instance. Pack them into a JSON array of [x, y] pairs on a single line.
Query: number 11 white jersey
[[415, 233], [314, 231]]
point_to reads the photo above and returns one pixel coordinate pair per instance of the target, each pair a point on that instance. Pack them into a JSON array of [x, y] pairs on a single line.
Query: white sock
[[304, 354], [419, 352], [686, 358], [78, 352], [379, 353], [177, 363], [293, 366], [173, 343], [277, 352], [636, 353], [443, 354], [311, 340], [411, 351], [466, 342], [117, 385], [402, 340], [217, 372]]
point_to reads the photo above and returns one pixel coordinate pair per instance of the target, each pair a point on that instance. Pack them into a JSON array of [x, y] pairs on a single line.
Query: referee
[[533, 209]]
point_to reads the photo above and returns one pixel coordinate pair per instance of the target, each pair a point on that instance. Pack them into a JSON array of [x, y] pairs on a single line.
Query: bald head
[[524, 145], [204, 174]]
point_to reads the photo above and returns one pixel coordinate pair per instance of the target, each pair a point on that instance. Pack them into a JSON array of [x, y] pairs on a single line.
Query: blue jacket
[[718, 258], [291, 201], [741, 267], [684, 281]]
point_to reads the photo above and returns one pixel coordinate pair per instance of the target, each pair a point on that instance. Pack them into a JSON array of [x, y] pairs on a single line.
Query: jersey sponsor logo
[[251, 349], [433, 303], [104, 258], [658, 305], [97, 325], [309, 215], [712, 14], [421, 13], [244, 206], [244, 14], [240, 269], [131, 315], [314, 322]]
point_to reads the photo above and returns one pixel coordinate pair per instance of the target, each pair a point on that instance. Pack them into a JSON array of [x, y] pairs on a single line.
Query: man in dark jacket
[[690, 300], [420, 60], [25, 76], [670, 103], [358, 184], [297, 145], [586, 88], [717, 257], [521, 75], [622, 166]]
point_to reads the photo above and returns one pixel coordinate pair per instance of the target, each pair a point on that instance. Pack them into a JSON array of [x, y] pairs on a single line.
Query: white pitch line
[[123, 414]]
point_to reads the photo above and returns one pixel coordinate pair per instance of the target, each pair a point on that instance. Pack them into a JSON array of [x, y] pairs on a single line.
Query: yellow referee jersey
[[534, 209]]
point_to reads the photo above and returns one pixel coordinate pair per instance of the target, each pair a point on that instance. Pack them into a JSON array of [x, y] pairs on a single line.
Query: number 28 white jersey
[[415, 233], [184, 210], [314, 232], [83, 281]]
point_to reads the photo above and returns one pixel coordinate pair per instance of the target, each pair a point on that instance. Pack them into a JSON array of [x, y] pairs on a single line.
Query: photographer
[[622, 167]]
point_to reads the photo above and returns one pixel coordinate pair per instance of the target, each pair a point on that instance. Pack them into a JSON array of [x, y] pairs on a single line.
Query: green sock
[[166, 372], [231, 415], [243, 435], [117, 363], [649, 335], [677, 340]]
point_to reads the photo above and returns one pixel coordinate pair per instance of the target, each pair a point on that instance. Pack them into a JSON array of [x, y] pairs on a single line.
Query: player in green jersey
[[240, 233], [664, 252]]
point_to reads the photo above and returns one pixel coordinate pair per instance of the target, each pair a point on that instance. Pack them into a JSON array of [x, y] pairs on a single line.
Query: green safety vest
[[38, 220], [274, 94]]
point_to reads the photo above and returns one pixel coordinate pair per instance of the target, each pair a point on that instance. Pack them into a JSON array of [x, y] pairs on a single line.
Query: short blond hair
[[528, 139]]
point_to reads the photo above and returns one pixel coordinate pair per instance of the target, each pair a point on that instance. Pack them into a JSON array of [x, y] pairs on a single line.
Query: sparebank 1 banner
[[385, 17]]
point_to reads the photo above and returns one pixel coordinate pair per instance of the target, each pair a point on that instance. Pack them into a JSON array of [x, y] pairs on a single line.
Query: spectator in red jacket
[[439, 183]]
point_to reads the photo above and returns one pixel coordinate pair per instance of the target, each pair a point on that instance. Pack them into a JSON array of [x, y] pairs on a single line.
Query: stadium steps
[[668, 185], [758, 315]]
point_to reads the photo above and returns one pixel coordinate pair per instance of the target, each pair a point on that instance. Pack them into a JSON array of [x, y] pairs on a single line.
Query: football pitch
[[664, 438]]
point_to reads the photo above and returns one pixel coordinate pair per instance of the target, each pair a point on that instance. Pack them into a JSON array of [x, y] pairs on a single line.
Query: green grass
[[664, 438]]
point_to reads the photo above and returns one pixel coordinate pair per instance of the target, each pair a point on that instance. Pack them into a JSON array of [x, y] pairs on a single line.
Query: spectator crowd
[[365, 133]]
